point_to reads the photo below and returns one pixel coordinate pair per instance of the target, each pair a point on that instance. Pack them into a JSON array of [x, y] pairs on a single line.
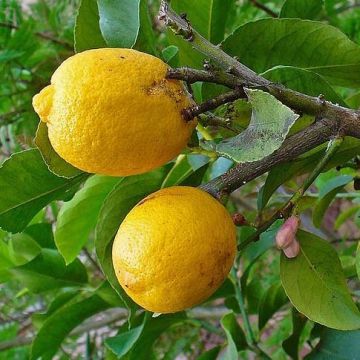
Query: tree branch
[[335, 119], [264, 8]]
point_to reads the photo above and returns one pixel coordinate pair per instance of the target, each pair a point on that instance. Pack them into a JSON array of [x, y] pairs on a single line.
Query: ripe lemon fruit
[[174, 249], [113, 112]]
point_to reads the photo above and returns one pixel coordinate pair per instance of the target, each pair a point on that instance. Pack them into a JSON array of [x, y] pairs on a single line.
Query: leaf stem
[[284, 211]]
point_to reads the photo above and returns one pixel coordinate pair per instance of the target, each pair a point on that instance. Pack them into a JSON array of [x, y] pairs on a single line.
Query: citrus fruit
[[113, 112], [174, 249]]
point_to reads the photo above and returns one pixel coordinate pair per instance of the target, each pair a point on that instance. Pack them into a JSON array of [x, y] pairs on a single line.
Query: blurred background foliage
[[35, 37]]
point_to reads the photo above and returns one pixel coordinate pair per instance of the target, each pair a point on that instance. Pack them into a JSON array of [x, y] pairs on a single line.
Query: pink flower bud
[[292, 250], [286, 234]]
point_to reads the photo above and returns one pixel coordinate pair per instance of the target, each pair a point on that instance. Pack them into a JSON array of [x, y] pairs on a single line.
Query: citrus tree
[[191, 188]]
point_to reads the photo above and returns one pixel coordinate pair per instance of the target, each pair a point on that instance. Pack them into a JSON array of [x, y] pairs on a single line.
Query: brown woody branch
[[264, 8], [334, 119]]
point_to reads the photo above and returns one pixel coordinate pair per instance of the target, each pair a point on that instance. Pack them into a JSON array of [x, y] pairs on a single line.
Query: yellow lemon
[[174, 249], [113, 112]]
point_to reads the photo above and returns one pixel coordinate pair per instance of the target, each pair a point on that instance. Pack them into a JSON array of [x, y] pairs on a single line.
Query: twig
[[92, 260], [193, 111], [40, 34], [210, 119], [288, 207], [264, 8]]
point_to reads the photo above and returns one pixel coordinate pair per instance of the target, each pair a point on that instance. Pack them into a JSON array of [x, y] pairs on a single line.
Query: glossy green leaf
[[337, 345], [87, 34], [207, 16], [137, 343], [27, 186], [310, 45], [55, 163], [315, 283], [305, 81], [119, 22], [61, 322], [272, 300], [77, 217], [303, 9], [235, 336], [304, 164], [358, 260], [269, 125], [291, 344], [182, 170], [326, 195], [48, 271], [211, 354], [42, 234], [146, 39], [23, 248], [125, 195]]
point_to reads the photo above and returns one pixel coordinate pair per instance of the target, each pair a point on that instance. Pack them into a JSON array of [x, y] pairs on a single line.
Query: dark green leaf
[[146, 40], [303, 9], [61, 322], [137, 343], [118, 203], [273, 299], [210, 354], [305, 44], [23, 248], [42, 234], [78, 216], [235, 336], [119, 22], [269, 125], [27, 186], [305, 81], [207, 16], [315, 283], [326, 195], [337, 345], [55, 163], [87, 32], [291, 344], [358, 260], [48, 271], [303, 164]]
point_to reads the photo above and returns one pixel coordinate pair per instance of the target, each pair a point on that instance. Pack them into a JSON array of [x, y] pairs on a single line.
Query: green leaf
[[235, 336], [87, 34], [23, 248], [61, 322], [272, 300], [326, 195], [211, 354], [337, 345], [207, 16], [315, 283], [304, 44], [304, 164], [146, 39], [182, 170], [121, 344], [27, 186], [77, 217], [303, 9], [125, 195], [119, 22], [269, 125], [291, 344], [305, 81], [42, 234], [48, 271], [137, 343], [358, 260], [55, 163]]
